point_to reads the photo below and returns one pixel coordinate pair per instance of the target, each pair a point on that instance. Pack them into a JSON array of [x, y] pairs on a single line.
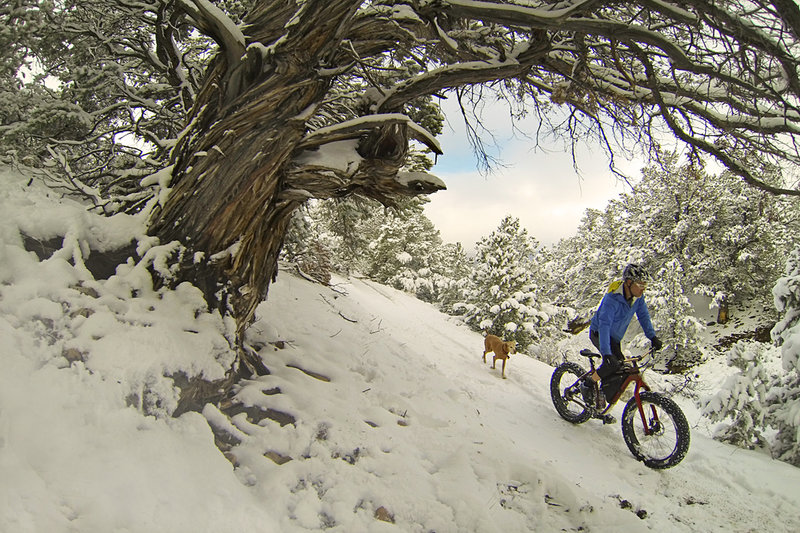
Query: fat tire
[[572, 371], [676, 435]]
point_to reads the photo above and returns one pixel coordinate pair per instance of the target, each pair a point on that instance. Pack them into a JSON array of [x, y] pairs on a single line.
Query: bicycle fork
[[650, 426]]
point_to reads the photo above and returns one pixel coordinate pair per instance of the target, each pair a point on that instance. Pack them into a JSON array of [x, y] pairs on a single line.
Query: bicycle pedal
[[608, 419]]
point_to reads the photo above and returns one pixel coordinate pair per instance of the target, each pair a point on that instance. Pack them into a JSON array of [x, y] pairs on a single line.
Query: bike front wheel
[[658, 434], [566, 395]]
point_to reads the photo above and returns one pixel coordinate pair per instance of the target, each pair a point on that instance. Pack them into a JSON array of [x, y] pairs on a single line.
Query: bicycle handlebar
[[638, 358]]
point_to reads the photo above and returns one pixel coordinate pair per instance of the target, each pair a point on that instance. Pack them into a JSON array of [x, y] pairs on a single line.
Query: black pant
[[611, 364]]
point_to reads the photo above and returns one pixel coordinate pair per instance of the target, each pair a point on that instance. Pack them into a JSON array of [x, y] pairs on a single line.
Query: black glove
[[656, 343]]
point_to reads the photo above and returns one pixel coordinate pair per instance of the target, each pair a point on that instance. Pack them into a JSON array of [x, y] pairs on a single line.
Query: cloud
[[550, 203], [540, 187]]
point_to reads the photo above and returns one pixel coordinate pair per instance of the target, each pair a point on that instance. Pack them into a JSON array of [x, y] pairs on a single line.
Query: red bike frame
[[634, 376]]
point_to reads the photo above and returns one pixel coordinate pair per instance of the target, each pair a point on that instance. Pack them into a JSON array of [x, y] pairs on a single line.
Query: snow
[[539, 13], [339, 155], [221, 22], [356, 126], [405, 178], [393, 409]]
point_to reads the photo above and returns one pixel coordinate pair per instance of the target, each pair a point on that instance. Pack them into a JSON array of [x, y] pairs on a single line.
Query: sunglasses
[[641, 284]]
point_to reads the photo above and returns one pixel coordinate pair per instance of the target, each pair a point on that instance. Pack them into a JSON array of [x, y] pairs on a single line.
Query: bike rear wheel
[[566, 395], [660, 439]]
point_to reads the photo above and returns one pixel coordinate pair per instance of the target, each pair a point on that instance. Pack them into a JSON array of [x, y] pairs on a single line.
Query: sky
[[389, 420], [539, 188]]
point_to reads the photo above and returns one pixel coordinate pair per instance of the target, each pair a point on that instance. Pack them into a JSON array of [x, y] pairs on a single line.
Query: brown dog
[[501, 349]]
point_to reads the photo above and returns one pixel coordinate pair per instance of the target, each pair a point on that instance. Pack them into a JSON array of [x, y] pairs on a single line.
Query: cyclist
[[624, 299]]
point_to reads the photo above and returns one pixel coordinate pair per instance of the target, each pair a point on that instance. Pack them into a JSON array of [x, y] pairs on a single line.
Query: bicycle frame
[[634, 374]]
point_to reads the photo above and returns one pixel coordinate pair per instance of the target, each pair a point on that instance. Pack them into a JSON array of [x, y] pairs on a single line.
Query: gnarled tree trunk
[[238, 175]]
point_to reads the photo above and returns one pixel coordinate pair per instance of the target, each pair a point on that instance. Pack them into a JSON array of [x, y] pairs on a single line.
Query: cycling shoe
[[607, 419]]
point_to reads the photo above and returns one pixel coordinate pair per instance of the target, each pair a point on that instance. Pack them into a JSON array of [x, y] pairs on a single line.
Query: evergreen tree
[[671, 310], [307, 248], [740, 402], [451, 268], [783, 399], [400, 248], [349, 226], [758, 400], [401, 254], [586, 262], [506, 293], [739, 241]]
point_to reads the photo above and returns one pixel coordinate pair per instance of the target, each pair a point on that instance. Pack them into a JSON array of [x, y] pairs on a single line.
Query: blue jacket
[[615, 313]]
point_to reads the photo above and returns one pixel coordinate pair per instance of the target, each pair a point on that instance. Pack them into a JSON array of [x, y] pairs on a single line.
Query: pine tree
[[783, 399], [739, 239], [406, 251], [582, 265], [347, 226], [740, 402], [402, 251], [756, 398], [451, 269], [671, 310], [506, 293]]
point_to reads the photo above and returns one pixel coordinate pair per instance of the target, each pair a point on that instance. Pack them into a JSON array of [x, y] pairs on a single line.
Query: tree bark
[[230, 164]]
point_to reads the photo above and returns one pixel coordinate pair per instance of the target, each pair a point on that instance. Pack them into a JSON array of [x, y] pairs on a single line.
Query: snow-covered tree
[[743, 237], [584, 263], [765, 392], [348, 226], [101, 92], [401, 253], [671, 310], [784, 396], [406, 251], [740, 404], [398, 247], [450, 270], [506, 292]]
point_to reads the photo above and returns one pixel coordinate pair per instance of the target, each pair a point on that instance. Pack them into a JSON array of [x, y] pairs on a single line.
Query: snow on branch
[[215, 23], [471, 72], [353, 128], [514, 14], [673, 11]]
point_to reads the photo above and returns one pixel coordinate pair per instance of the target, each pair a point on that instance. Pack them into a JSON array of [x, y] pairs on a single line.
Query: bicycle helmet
[[635, 272]]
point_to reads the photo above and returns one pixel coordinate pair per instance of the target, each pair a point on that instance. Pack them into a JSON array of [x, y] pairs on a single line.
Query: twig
[[348, 319], [335, 289], [305, 276]]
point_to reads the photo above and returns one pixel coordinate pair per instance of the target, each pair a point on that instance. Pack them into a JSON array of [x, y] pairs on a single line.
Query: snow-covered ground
[[396, 418]]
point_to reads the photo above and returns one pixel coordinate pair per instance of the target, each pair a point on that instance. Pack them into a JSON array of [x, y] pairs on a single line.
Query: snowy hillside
[[378, 415]]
